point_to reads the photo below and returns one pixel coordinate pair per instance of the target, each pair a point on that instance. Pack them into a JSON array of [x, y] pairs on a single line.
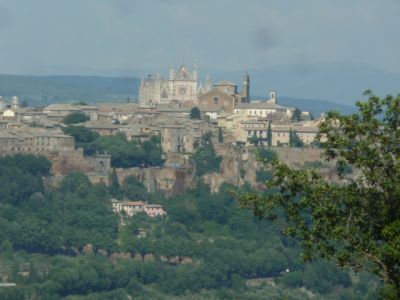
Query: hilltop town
[[177, 112]]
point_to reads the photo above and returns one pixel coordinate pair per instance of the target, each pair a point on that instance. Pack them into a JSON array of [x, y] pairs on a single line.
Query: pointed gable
[[183, 73]]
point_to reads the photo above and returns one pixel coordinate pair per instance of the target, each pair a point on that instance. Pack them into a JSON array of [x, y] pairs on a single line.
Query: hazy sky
[[112, 36]]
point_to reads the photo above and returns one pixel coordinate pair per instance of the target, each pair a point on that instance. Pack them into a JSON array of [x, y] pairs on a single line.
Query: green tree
[[254, 139], [220, 136], [296, 116], [205, 158], [195, 113], [24, 104], [76, 117], [134, 189], [265, 154], [294, 139], [84, 138], [114, 188], [6, 247], [355, 223]]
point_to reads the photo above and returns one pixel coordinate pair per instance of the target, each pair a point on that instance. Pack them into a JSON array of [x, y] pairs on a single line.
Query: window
[[216, 100]]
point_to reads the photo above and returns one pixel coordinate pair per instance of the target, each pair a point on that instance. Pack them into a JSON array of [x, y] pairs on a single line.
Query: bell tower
[[246, 88]]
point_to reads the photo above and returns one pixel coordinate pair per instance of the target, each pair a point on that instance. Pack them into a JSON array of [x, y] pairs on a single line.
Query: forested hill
[[66, 242], [316, 107], [42, 90]]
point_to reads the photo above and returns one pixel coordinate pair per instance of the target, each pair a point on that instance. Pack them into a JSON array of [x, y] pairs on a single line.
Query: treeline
[[124, 153], [205, 158], [36, 218]]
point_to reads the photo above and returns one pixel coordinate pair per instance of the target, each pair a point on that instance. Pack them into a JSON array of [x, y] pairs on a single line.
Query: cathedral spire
[[196, 71], [171, 72], [208, 86]]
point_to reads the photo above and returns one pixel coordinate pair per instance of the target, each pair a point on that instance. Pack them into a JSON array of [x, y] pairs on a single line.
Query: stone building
[[57, 112], [246, 130], [281, 133], [181, 86], [37, 141], [131, 208], [182, 138], [224, 97], [264, 108]]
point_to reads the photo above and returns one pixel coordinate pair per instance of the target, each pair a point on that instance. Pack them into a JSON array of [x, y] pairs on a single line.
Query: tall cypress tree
[[220, 136], [114, 187]]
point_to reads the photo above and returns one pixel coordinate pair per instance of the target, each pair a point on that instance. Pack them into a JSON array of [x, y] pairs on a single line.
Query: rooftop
[[225, 83], [259, 105]]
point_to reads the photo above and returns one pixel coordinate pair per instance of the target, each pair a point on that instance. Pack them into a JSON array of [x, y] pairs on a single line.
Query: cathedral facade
[[180, 87]]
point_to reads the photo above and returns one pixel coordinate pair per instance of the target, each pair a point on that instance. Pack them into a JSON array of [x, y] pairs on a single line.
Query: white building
[[131, 208], [264, 108], [181, 86]]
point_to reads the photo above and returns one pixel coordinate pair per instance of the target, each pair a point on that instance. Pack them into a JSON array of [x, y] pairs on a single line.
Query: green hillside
[[207, 247], [42, 90]]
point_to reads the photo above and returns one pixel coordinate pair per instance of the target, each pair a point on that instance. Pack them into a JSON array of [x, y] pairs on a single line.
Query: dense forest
[[206, 247]]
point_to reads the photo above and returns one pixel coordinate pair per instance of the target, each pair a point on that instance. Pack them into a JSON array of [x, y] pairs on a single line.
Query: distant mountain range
[[343, 83], [42, 90], [330, 85], [316, 107]]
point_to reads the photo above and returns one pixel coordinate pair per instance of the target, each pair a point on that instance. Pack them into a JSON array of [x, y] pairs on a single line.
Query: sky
[[118, 37]]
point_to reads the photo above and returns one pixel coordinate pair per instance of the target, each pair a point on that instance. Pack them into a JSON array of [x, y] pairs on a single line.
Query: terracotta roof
[[259, 105], [133, 203]]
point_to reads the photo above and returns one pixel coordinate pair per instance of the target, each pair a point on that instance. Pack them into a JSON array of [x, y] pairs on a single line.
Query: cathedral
[[180, 87]]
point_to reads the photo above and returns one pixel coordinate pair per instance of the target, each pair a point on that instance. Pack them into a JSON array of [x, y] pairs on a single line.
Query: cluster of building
[[163, 110], [225, 107]]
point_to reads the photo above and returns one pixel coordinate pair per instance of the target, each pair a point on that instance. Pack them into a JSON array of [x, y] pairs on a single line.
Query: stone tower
[[14, 102], [102, 163], [246, 87], [272, 97]]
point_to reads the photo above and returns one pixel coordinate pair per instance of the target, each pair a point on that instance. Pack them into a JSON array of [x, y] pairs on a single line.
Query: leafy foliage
[[205, 158], [355, 223], [123, 153], [84, 138], [39, 219], [206, 248], [266, 155], [294, 139], [195, 113], [76, 117], [296, 116], [220, 136]]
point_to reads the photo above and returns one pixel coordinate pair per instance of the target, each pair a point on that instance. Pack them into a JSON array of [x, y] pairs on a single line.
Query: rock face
[[171, 181], [238, 166], [298, 156]]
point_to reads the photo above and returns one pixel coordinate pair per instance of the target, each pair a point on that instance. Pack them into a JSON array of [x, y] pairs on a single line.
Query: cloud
[[265, 37]]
